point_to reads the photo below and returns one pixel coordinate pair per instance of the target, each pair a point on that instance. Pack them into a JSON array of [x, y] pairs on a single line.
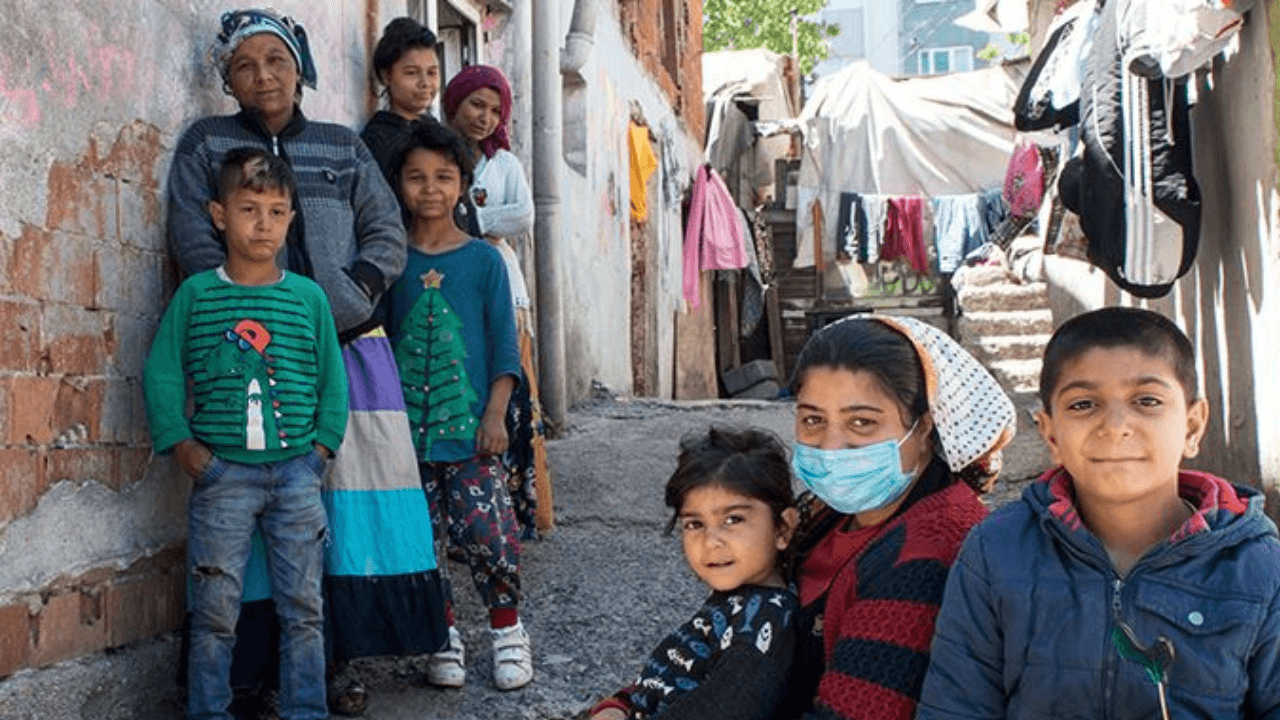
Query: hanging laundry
[[713, 237], [851, 230], [643, 163], [752, 309], [994, 209], [1171, 38], [960, 227], [904, 233], [1050, 95], [876, 208], [1136, 161], [1024, 181]]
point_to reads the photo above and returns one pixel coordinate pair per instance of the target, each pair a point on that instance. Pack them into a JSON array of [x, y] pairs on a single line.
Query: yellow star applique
[[431, 280]]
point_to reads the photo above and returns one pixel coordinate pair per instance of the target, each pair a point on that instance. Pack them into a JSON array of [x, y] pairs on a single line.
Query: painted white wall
[[596, 215]]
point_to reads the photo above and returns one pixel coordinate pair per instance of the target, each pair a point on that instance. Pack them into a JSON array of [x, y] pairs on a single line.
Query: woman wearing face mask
[[897, 431]]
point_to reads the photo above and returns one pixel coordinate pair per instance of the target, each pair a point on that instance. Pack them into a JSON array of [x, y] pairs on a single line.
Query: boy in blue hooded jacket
[[1121, 586]]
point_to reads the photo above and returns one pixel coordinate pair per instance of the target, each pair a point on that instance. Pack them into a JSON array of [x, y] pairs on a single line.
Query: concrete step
[[1003, 297], [989, 348], [980, 276], [1023, 322], [1027, 456], [1016, 376]]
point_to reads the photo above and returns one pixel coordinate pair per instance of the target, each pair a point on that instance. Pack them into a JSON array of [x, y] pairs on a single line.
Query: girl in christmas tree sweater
[[452, 326]]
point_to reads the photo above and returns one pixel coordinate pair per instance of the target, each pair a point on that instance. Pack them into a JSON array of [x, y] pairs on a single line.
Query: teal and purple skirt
[[384, 594]]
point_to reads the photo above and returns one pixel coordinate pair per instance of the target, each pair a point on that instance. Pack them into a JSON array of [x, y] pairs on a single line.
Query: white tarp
[[758, 77], [867, 133], [996, 16]]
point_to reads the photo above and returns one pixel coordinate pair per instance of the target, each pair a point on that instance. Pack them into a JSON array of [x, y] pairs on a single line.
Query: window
[[455, 24], [936, 61]]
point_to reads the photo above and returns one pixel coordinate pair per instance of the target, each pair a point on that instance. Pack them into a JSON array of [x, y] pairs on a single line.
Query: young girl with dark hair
[[405, 64], [451, 324], [731, 493], [897, 427], [477, 104]]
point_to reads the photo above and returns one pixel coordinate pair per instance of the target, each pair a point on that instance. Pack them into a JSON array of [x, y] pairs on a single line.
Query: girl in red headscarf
[[477, 104]]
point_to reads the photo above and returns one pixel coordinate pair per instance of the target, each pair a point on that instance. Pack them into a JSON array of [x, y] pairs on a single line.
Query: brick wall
[[99, 609], [92, 99], [657, 30], [79, 297]]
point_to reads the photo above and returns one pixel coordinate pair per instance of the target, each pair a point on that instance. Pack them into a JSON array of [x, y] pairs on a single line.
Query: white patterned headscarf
[[972, 415]]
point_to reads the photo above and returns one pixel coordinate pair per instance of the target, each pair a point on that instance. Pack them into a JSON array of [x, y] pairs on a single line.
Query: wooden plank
[[695, 365], [728, 352], [777, 347]]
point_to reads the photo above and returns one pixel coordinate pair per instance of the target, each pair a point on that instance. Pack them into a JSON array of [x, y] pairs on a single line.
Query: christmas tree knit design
[[437, 390]]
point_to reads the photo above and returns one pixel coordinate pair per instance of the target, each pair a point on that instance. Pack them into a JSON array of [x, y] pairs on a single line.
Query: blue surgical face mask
[[854, 480]]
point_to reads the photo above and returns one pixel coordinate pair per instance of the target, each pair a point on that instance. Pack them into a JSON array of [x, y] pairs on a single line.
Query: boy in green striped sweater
[[260, 351]]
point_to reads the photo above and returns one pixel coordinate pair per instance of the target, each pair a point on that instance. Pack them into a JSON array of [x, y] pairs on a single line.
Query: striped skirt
[[384, 594]]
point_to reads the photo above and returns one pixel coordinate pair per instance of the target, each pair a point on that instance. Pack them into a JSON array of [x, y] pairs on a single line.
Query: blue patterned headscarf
[[240, 24]]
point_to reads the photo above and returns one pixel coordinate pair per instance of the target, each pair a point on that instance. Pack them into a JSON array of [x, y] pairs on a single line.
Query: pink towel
[[1024, 181], [904, 233], [713, 238]]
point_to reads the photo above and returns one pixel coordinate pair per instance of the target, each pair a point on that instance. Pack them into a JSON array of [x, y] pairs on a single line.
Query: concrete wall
[[92, 98], [1228, 302]]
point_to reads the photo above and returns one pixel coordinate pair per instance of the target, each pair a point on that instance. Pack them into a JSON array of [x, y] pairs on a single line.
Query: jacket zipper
[[275, 145], [1110, 665]]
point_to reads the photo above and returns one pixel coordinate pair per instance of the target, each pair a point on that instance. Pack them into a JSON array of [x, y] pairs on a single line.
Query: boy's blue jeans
[[228, 501]]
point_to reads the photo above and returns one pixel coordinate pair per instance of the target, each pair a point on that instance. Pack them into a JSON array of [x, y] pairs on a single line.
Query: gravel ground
[[601, 590]]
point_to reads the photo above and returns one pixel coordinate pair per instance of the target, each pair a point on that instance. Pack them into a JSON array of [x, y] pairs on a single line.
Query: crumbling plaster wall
[[596, 216]]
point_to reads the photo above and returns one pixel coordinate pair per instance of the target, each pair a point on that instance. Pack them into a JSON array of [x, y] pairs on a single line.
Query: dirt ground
[[601, 590]]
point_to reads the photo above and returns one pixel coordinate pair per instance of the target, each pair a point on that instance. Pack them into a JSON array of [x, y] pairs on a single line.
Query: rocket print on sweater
[[243, 367]]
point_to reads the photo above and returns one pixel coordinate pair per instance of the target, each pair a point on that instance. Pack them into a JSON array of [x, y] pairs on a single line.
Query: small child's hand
[[193, 456], [491, 437]]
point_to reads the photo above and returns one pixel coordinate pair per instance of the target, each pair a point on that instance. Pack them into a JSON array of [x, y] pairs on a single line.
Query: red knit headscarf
[[470, 79]]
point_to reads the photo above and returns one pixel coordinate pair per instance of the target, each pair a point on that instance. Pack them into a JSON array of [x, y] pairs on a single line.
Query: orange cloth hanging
[[643, 163]]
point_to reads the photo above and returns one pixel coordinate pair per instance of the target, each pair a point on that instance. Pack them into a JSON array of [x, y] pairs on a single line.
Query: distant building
[[931, 43], [902, 37]]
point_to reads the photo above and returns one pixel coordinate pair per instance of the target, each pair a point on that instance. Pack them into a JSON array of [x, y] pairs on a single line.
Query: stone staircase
[[1005, 325]]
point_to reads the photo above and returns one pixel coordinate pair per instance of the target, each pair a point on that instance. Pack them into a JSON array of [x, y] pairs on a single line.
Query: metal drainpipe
[[547, 230], [578, 43]]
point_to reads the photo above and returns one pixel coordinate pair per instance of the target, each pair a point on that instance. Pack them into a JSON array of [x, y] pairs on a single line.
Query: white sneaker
[[448, 668], [512, 657]]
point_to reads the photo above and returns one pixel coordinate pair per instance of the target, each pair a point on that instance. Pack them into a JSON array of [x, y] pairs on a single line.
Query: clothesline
[[872, 228]]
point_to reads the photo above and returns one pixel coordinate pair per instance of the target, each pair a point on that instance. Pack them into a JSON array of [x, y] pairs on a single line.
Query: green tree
[[748, 24], [437, 390]]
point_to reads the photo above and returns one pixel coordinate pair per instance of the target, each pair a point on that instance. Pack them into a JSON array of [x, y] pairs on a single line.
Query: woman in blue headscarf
[[382, 587]]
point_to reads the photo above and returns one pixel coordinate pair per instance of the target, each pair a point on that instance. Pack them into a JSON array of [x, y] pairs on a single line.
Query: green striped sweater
[[265, 369]]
